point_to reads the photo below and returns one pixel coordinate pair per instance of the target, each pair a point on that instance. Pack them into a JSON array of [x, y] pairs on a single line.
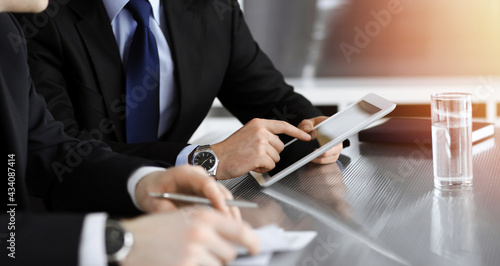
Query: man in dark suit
[[78, 58], [80, 177]]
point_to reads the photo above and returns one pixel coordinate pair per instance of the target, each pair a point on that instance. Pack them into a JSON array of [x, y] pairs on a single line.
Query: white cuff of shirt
[[92, 250], [183, 156], [137, 176]]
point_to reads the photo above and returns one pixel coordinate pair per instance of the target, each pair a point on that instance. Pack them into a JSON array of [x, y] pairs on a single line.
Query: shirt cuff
[[92, 250], [183, 156], [137, 176]]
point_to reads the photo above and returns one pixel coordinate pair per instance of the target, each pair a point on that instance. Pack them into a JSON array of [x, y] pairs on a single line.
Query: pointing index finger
[[281, 127]]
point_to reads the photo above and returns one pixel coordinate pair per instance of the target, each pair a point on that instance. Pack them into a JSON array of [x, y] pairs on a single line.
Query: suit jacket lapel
[[187, 32], [99, 39]]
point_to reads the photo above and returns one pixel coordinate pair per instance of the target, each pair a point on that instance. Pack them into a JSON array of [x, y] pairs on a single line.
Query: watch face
[[205, 159], [114, 240]]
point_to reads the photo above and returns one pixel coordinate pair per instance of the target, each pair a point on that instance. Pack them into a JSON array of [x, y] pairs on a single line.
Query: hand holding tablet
[[329, 133]]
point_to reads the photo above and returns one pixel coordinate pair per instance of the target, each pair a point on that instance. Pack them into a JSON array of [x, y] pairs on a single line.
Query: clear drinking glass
[[452, 139]]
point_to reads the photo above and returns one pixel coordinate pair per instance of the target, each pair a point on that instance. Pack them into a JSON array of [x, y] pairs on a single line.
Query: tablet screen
[[327, 131]]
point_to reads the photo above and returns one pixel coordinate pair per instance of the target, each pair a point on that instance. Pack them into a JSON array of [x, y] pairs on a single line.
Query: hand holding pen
[[187, 180]]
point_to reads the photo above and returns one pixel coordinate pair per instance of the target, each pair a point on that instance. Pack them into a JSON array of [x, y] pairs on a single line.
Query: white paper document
[[273, 239]]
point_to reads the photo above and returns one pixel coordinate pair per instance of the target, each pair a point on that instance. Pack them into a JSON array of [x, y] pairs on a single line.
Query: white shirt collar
[[113, 7]]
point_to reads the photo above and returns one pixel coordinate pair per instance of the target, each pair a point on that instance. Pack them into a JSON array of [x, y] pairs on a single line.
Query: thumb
[[306, 125]]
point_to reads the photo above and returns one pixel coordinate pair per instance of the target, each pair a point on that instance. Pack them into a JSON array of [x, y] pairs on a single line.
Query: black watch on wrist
[[205, 157], [118, 242]]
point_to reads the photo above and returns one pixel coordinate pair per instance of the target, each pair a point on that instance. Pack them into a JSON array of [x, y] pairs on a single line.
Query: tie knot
[[141, 10]]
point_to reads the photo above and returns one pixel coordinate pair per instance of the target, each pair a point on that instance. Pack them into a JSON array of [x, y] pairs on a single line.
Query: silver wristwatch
[[205, 157], [118, 242]]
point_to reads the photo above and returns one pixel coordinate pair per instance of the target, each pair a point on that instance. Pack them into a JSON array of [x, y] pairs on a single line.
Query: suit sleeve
[[253, 87], [42, 239], [38, 142], [72, 175]]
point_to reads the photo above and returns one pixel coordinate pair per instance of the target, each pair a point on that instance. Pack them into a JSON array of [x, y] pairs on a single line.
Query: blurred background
[[336, 51], [395, 37]]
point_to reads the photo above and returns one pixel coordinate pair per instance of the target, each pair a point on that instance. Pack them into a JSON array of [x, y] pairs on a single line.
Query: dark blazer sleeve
[[94, 181], [253, 87], [42, 239], [72, 175], [29, 239]]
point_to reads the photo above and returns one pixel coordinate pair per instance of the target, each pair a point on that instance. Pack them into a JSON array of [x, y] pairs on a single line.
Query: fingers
[[234, 211], [307, 125], [219, 248], [194, 179], [239, 233], [269, 153], [325, 160], [276, 143], [162, 205], [272, 153], [281, 127], [254, 146], [158, 205], [212, 191], [204, 257], [191, 236], [218, 235], [329, 156], [314, 134], [264, 164], [206, 253], [153, 182]]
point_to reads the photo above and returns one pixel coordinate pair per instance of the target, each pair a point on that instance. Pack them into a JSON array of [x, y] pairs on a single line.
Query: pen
[[290, 142], [200, 200]]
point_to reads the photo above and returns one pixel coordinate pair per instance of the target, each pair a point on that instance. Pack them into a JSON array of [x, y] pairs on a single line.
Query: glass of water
[[452, 139]]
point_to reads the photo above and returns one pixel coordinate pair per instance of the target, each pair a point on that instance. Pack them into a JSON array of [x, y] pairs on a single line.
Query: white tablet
[[330, 132]]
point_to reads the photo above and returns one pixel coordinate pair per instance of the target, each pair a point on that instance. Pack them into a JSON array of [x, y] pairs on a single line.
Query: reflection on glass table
[[452, 231]]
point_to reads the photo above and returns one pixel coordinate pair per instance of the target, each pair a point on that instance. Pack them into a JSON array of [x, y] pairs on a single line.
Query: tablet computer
[[329, 133]]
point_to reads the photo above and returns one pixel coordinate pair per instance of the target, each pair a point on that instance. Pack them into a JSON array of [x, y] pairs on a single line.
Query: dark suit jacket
[[76, 65], [68, 174]]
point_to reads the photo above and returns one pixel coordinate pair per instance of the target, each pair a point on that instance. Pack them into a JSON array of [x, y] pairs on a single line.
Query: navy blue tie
[[142, 78]]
